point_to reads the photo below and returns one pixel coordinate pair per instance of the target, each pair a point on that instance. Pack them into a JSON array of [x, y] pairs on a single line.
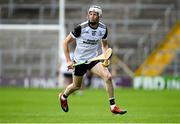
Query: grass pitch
[[20, 105]]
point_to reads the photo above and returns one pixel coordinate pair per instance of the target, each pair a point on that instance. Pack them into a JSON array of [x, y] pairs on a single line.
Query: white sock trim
[[112, 106], [111, 98]]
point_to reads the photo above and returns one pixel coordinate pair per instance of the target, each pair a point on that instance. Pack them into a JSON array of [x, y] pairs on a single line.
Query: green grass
[[20, 105]]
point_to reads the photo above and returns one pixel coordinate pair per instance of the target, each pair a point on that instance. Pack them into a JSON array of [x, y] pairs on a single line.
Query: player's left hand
[[106, 63]]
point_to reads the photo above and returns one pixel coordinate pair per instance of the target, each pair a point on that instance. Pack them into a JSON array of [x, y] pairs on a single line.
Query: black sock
[[65, 96], [112, 101]]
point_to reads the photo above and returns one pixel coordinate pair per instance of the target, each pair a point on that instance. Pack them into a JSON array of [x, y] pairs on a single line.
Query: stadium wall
[[140, 82], [46, 82]]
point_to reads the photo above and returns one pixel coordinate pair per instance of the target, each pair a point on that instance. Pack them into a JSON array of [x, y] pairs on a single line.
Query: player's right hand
[[69, 65]]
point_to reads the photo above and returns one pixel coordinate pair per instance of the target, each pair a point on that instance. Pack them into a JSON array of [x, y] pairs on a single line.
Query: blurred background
[[144, 35]]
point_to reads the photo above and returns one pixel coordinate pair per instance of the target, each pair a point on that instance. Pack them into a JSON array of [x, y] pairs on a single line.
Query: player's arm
[[69, 39], [105, 41], [105, 46]]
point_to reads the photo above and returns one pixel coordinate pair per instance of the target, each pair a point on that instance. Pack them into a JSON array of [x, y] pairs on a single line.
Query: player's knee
[[108, 77]]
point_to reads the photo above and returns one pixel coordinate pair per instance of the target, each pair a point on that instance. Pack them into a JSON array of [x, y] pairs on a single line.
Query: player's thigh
[[101, 71], [77, 80]]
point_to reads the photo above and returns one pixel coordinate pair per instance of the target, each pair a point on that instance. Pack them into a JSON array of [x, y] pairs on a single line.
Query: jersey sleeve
[[105, 35], [76, 32]]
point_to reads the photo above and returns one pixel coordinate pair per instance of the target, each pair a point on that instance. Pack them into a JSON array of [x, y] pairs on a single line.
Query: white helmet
[[96, 8]]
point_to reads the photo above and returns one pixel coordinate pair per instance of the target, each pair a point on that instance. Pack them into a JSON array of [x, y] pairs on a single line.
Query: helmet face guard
[[96, 9]]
